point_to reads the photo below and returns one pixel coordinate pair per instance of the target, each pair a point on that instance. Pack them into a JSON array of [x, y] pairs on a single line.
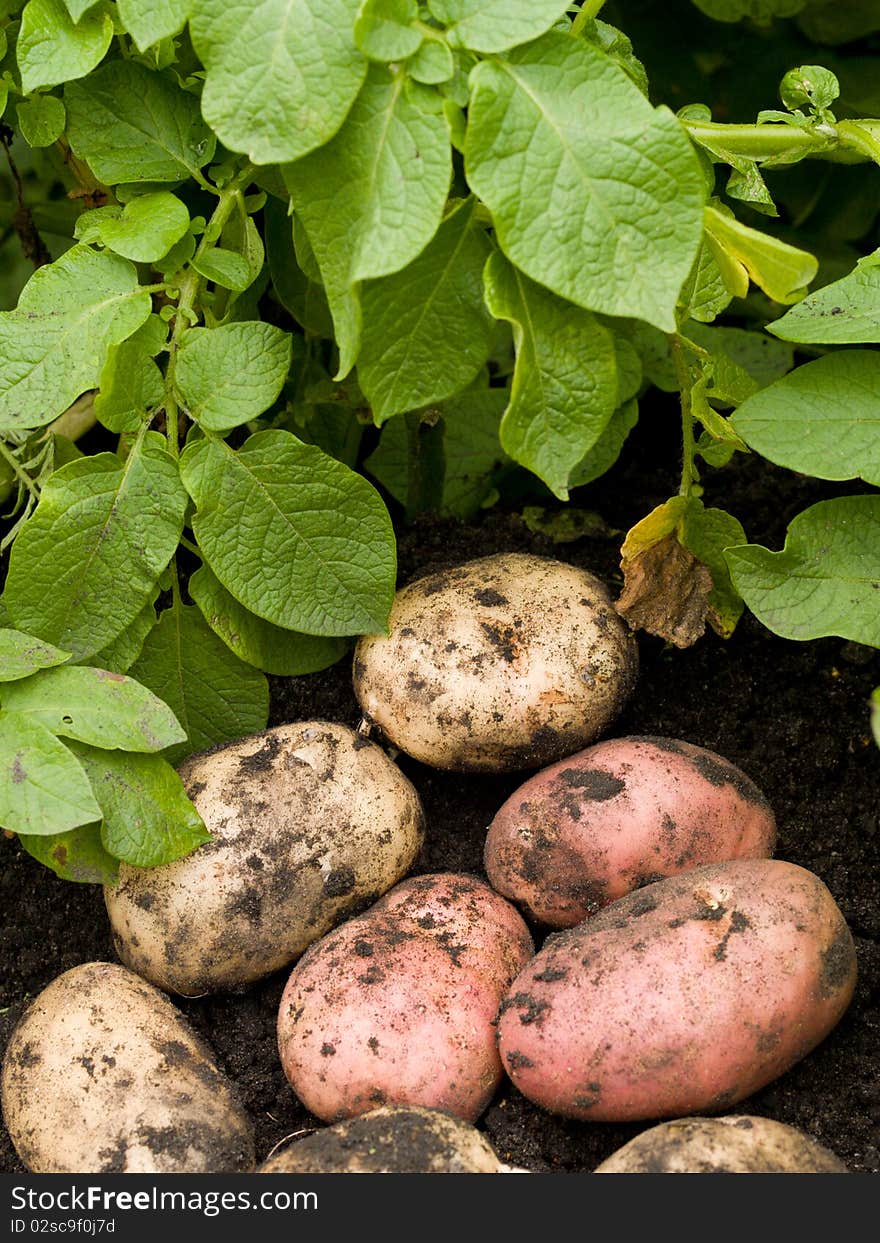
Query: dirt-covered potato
[[310, 821], [103, 1075], [683, 997], [619, 815], [732, 1145], [508, 662], [399, 1005], [399, 1139]]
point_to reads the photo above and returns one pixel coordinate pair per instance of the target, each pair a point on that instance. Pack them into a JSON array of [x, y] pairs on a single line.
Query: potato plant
[[260, 251]]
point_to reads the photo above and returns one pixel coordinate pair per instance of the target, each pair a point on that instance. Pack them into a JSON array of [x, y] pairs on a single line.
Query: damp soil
[[793, 716]]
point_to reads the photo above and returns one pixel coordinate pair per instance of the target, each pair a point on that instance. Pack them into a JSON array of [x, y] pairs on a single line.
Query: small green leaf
[[282, 652], [132, 124], [95, 706], [281, 74], [297, 538], [821, 419], [565, 384], [705, 294], [147, 227], [53, 345], [41, 120], [782, 271], [826, 581], [433, 63], [593, 192], [764, 359], [214, 695], [22, 654], [846, 312], [224, 268], [706, 533], [495, 25], [148, 819], [427, 331], [384, 29], [53, 48], [809, 86], [232, 374], [148, 21], [43, 788], [371, 200], [88, 558], [77, 855], [130, 385]]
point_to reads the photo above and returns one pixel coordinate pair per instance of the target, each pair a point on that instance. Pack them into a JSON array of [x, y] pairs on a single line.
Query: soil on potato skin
[[793, 716]]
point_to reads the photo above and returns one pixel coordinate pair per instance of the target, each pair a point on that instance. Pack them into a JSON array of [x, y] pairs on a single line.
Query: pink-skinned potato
[[617, 816], [683, 997], [398, 1006]]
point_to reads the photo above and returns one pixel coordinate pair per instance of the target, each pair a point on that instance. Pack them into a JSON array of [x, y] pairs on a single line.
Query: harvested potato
[[310, 822], [104, 1076], [733, 1145], [619, 815], [399, 1005], [399, 1139], [683, 997], [508, 662]]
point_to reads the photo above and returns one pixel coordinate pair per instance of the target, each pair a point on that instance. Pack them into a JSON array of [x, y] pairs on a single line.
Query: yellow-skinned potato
[[733, 1145], [310, 821], [508, 662], [104, 1076], [399, 1139]]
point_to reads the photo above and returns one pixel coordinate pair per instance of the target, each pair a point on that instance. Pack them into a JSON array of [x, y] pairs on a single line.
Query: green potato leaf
[[281, 74], [147, 818], [87, 560], [607, 448], [371, 200], [121, 653], [130, 385], [22, 654], [826, 580], [96, 706], [471, 448], [77, 855], [144, 230], [427, 331], [134, 125], [148, 21], [54, 344], [781, 270], [297, 538], [285, 653], [76, 8], [495, 25], [594, 193], [846, 312], [821, 419], [53, 48], [385, 29], [214, 695], [229, 375], [43, 788], [41, 120], [706, 533]]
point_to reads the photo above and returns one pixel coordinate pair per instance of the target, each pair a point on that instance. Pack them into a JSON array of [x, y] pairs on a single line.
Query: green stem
[[191, 547], [762, 142], [685, 385], [21, 475], [589, 10]]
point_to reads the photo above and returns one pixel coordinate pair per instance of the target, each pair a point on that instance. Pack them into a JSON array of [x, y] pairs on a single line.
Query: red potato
[[399, 1005], [684, 997], [617, 816]]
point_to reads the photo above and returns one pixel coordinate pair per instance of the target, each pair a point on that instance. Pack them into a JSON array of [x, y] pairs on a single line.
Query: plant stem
[[685, 385], [191, 547], [21, 475], [762, 142], [589, 10]]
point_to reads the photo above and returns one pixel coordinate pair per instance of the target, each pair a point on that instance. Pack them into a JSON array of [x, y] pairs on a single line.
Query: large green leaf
[[607, 448], [565, 384], [846, 312], [132, 124], [826, 581], [229, 375], [296, 537], [594, 193], [147, 818], [214, 695], [53, 345], [54, 48], [121, 653], [303, 297], [77, 855], [95, 706], [427, 331], [281, 74], [148, 21], [22, 654], [373, 198], [495, 25], [257, 642], [87, 560], [43, 788], [821, 419]]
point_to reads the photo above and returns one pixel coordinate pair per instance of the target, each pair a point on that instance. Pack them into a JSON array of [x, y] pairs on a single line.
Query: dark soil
[[794, 716]]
